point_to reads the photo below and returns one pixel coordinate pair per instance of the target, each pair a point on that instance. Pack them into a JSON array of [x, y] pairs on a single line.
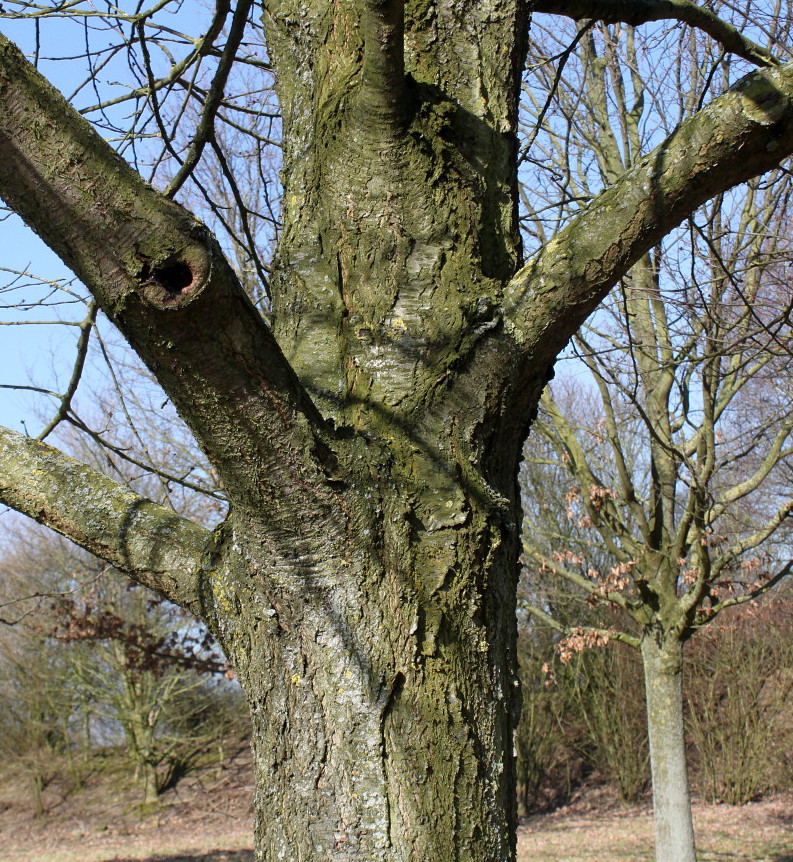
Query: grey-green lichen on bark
[[153, 545], [364, 583]]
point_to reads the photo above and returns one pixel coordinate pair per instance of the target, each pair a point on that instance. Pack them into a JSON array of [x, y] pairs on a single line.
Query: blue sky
[[39, 355], [44, 355]]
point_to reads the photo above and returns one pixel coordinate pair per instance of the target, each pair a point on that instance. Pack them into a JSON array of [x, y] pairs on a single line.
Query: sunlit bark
[[364, 582]]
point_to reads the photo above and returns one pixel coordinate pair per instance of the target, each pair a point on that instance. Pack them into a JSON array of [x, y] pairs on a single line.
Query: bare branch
[[151, 544], [162, 279], [205, 129], [609, 634], [743, 133], [748, 543], [82, 351], [638, 12], [605, 516], [751, 596]]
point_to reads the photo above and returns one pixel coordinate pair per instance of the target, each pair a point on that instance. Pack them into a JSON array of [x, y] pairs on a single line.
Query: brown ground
[[206, 819], [596, 828]]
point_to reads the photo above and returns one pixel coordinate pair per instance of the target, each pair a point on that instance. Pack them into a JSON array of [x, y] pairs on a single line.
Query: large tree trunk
[[364, 581], [379, 663], [674, 828], [384, 687]]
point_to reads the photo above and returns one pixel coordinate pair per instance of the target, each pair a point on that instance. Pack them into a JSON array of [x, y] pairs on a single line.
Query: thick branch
[[153, 545], [159, 275], [638, 12], [745, 132]]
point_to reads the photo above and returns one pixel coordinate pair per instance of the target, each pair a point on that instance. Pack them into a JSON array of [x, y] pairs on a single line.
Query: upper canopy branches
[[745, 132], [399, 241], [159, 275], [638, 12]]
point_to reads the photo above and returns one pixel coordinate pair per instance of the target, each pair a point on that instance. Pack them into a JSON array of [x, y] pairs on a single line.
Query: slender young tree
[[678, 500], [367, 438], [683, 436]]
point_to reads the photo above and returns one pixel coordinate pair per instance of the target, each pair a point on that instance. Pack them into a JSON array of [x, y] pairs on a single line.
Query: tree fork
[[364, 582]]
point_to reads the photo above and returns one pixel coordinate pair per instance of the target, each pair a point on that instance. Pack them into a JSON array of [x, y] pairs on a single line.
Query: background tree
[[676, 473], [89, 657], [144, 667], [39, 704], [367, 440], [584, 725], [686, 360]]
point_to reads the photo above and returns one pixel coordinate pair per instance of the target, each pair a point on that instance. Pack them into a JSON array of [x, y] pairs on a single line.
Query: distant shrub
[[739, 722], [586, 720], [581, 720]]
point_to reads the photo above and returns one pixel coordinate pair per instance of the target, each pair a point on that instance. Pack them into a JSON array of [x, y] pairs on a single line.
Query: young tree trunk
[[674, 827], [142, 754], [147, 781], [37, 782]]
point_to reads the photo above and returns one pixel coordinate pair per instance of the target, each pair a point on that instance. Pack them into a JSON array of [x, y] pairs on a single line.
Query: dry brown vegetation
[[596, 828], [207, 817]]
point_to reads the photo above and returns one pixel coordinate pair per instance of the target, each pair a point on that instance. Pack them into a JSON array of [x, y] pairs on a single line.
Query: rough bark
[[364, 582], [674, 828], [151, 544]]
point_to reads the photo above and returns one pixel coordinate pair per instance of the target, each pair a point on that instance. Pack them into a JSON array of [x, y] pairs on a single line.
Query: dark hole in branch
[[175, 277]]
